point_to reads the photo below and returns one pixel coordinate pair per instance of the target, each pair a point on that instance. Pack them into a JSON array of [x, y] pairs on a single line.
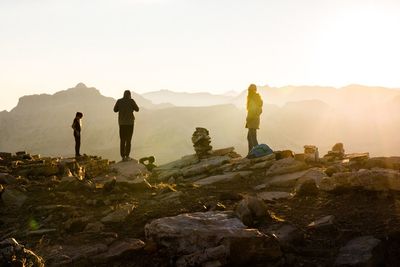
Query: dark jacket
[[125, 108], [254, 110], [76, 125]]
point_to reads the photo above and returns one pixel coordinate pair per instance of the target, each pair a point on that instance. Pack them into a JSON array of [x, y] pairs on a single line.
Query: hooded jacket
[[125, 107], [254, 110]]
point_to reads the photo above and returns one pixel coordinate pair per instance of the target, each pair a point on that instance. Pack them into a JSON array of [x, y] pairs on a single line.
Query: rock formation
[[220, 210], [201, 142]]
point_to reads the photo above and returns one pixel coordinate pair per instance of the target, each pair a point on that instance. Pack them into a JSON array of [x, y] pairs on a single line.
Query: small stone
[[252, 210], [271, 196], [323, 222], [307, 188]]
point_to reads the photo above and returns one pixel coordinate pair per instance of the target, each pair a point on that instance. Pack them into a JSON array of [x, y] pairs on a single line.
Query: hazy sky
[[195, 45]]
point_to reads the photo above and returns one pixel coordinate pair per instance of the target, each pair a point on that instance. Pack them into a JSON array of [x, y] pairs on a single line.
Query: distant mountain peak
[[81, 85]]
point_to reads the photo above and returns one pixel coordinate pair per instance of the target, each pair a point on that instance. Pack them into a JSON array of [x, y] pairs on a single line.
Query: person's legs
[[122, 136], [249, 140], [77, 144], [129, 134], [252, 138], [255, 142]]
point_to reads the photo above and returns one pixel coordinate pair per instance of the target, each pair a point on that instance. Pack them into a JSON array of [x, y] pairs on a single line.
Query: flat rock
[[41, 232], [296, 178], [223, 151], [223, 178], [286, 165], [262, 165], [361, 251], [273, 195], [323, 222], [118, 249], [285, 180], [178, 164], [119, 215], [205, 165], [166, 174]]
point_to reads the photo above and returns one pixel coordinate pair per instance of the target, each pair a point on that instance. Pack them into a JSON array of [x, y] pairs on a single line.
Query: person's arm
[[116, 107], [135, 106]]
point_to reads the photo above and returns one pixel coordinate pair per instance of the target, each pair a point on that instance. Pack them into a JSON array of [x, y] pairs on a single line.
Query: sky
[[195, 45]]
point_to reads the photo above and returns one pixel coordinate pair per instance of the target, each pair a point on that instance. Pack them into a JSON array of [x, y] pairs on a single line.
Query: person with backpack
[[77, 127], [125, 107], [254, 110]]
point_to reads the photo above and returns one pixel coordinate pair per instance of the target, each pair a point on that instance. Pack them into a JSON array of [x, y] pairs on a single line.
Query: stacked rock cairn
[[201, 142], [337, 152]]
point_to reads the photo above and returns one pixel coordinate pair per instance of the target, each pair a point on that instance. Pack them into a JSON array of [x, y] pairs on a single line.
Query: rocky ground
[[221, 210]]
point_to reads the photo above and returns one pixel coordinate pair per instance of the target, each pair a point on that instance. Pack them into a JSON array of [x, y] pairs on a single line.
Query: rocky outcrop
[[374, 180], [218, 236], [14, 254]]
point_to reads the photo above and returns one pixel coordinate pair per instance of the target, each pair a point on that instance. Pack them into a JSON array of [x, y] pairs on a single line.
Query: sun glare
[[360, 46]]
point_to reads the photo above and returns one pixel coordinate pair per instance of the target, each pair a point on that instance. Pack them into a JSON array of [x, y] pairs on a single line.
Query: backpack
[[260, 150]]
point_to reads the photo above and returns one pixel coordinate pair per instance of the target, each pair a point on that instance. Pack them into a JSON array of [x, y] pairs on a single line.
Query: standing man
[[77, 127], [125, 108]]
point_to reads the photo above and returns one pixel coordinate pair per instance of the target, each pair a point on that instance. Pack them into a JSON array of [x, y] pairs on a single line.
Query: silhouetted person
[[254, 110], [125, 108], [77, 126]]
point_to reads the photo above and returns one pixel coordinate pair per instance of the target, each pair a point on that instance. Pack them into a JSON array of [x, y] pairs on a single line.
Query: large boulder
[[130, 169], [197, 238]]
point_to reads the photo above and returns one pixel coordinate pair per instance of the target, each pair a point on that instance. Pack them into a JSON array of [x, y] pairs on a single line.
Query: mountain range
[[363, 118]]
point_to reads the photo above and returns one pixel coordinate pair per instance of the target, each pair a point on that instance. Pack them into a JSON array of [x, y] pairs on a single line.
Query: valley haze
[[363, 118]]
